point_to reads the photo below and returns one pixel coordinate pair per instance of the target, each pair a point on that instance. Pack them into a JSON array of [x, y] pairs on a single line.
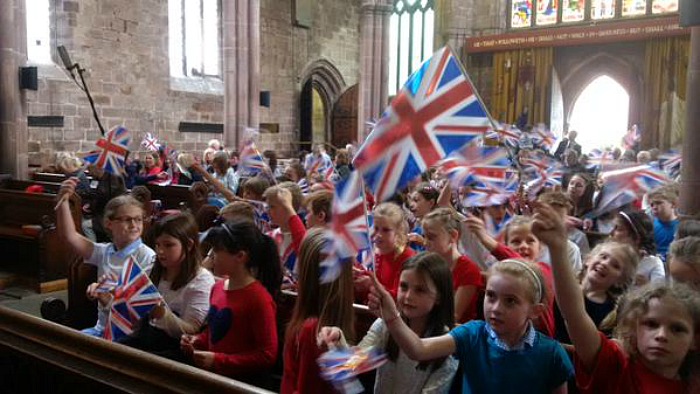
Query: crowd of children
[[537, 296]]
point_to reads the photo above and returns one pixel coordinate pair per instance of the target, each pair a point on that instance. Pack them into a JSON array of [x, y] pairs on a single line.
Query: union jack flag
[[460, 166], [624, 186], [349, 231], [150, 142], [507, 134], [436, 112], [251, 161], [543, 137], [538, 166], [599, 158], [113, 148], [304, 186], [134, 297], [671, 164], [487, 192], [497, 229]]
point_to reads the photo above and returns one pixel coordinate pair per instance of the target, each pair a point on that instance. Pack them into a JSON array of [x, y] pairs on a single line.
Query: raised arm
[[476, 225], [421, 349], [64, 221], [549, 227], [218, 185]]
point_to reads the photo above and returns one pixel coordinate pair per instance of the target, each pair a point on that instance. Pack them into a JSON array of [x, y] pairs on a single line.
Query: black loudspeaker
[[690, 13], [265, 98], [28, 78]]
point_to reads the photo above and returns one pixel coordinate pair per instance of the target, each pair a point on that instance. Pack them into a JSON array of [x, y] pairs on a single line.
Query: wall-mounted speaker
[[265, 98], [690, 13], [28, 78]]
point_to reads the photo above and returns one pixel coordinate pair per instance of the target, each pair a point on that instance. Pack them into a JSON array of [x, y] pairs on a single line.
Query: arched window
[[38, 32], [411, 32], [194, 37]]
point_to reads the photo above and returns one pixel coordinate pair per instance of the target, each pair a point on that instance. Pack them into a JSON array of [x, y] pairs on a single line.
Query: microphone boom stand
[[89, 96]]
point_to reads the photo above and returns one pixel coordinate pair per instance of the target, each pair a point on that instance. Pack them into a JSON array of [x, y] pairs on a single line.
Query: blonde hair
[[185, 159], [518, 221], [241, 210], [668, 192], [67, 161], [626, 255], [293, 188], [634, 305], [527, 272], [396, 216], [687, 250], [444, 217]]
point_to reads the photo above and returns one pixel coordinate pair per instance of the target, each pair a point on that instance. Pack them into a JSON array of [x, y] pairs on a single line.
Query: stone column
[[690, 184], [241, 67], [13, 126], [374, 63]]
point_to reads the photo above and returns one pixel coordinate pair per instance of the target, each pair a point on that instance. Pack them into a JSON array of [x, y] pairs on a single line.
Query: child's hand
[[282, 198], [548, 226], [329, 336], [158, 311], [103, 297], [381, 303], [202, 359], [416, 239], [187, 344], [68, 187]]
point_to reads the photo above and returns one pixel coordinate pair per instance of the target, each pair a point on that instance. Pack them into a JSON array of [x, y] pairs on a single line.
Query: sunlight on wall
[[601, 114]]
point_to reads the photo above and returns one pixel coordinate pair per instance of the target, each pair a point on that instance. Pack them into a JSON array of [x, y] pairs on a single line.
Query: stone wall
[[123, 45]]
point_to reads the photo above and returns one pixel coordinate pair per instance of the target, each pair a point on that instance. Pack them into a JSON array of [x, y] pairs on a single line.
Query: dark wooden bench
[[180, 196], [17, 184], [37, 356], [28, 238], [51, 177]]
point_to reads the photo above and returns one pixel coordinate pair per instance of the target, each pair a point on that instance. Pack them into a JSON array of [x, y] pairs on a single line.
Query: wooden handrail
[[106, 364]]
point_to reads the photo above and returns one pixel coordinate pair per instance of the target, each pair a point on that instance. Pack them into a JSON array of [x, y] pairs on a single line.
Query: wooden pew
[[175, 196], [40, 356], [48, 177], [38, 252], [16, 184]]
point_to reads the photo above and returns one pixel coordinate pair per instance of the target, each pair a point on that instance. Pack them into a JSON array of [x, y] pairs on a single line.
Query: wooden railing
[[40, 356]]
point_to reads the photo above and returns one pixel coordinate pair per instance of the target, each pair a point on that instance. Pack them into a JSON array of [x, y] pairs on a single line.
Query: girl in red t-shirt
[[657, 329], [317, 305], [441, 229]]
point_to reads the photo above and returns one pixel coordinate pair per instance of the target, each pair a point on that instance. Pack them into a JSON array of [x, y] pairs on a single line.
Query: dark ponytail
[[264, 262]]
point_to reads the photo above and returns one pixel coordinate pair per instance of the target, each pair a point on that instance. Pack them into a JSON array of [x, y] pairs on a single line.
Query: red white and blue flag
[[134, 297], [671, 164], [542, 171], [460, 166], [436, 113], [251, 161], [622, 187], [507, 134], [543, 137], [491, 191], [349, 231], [150, 142], [113, 148]]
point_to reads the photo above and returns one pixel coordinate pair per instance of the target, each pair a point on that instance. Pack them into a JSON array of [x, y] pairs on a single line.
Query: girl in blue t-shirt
[[504, 353]]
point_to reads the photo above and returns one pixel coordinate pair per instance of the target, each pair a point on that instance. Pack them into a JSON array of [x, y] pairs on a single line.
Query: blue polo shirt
[[537, 365], [664, 232]]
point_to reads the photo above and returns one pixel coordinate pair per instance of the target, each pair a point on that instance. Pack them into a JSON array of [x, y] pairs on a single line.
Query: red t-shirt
[[545, 324], [388, 269], [242, 330], [467, 273], [615, 373], [301, 371]]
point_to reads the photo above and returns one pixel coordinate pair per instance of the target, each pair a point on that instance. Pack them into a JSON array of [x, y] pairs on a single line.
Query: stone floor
[[22, 298]]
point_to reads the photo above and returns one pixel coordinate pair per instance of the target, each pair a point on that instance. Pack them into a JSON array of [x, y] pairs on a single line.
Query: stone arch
[[345, 118], [603, 62], [323, 76]]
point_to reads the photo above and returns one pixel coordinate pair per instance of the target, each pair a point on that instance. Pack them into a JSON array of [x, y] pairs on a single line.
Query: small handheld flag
[[150, 142], [112, 150]]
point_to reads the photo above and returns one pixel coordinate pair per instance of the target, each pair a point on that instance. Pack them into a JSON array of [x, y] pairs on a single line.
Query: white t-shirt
[[651, 268], [188, 306], [573, 252], [111, 262]]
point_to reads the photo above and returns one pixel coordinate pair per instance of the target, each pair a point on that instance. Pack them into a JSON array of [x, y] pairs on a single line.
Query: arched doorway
[[345, 118], [601, 114], [322, 85]]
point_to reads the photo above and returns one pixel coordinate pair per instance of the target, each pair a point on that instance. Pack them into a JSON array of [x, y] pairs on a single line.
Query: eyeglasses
[[127, 219]]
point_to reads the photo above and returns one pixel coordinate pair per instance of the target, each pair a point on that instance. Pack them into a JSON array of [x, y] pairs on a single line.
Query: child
[[608, 272], [317, 305], [637, 230], [123, 220], [319, 209], [657, 325], [663, 206], [562, 203], [442, 229], [684, 261], [422, 200], [283, 202], [503, 354], [253, 188], [425, 308], [522, 244], [390, 240], [241, 338], [183, 283], [224, 173]]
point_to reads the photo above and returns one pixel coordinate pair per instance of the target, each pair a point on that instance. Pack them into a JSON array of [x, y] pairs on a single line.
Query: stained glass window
[[411, 33], [602, 9], [573, 10], [634, 7], [663, 6], [547, 12], [521, 14]]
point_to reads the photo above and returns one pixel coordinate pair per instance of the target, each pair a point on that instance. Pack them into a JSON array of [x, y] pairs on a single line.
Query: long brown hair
[[183, 227], [330, 302]]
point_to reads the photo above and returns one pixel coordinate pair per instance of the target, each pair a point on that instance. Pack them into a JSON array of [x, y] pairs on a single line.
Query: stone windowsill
[[51, 71], [214, 86]]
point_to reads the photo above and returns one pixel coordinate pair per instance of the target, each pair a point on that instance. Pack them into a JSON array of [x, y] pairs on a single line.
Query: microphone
[[67, 63]]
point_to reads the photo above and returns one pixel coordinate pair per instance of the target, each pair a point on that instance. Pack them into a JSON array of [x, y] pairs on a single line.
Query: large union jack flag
[[349, 228], [113, 148], [134, 297], [621, 187], [436, 112]]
